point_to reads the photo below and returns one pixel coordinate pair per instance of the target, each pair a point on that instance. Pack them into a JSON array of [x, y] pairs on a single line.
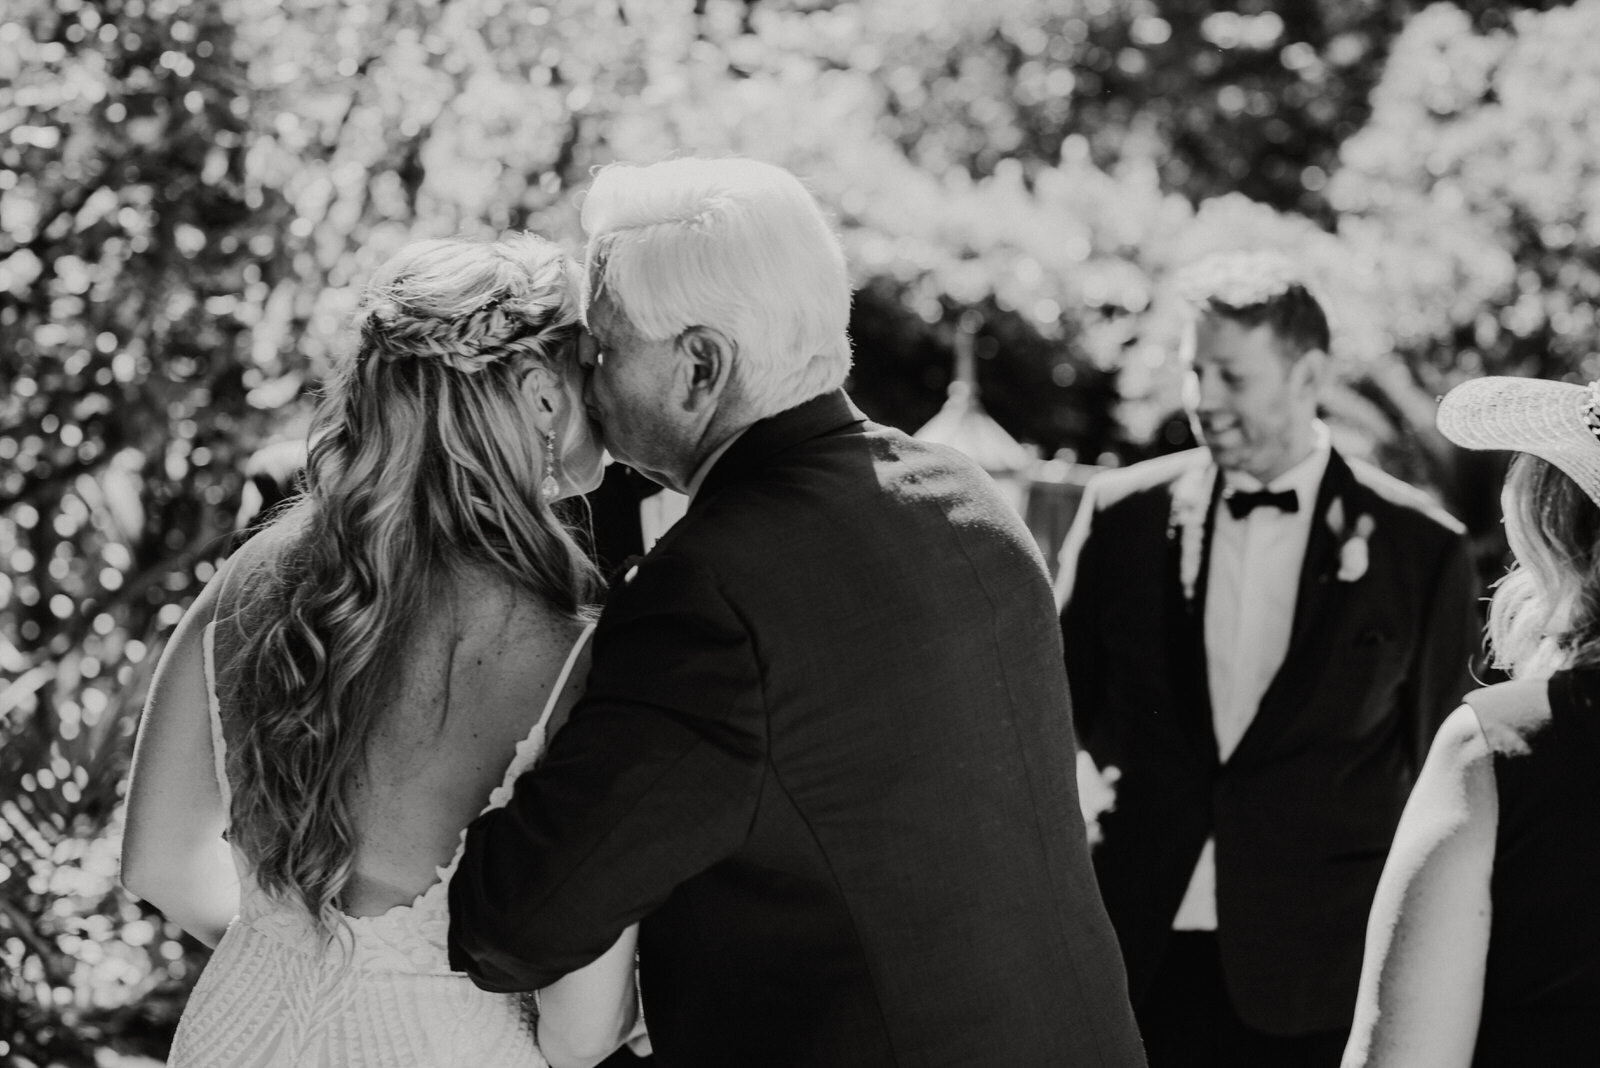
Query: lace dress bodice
[[276, 993]]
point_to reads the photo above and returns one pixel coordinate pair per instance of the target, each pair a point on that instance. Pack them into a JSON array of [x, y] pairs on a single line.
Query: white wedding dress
[[275, 995]]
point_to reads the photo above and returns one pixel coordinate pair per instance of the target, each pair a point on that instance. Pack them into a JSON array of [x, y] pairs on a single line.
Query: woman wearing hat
[[1483, 945]]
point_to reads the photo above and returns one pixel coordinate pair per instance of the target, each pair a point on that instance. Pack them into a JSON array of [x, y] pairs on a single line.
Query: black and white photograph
[[815, 533]]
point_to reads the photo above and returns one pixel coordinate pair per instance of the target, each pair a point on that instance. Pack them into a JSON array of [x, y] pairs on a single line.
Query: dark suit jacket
[[1304, 809], [825, 756], [615, 532]]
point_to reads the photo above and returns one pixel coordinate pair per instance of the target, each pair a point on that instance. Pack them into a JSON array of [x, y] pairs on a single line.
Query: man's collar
[[710, 461], [767, 437]]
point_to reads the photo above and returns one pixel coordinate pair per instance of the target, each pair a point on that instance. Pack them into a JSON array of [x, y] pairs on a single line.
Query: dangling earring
[[549, 486]]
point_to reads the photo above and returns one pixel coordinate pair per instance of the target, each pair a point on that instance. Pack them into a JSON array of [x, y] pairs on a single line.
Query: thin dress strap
[[533, 745], [219, 745], [528, 752], [566, 673], [228, 577]]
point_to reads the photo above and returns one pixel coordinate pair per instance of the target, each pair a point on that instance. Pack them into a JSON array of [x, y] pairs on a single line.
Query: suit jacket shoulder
[[1404, 497], [1109, 488], [808, 496], [1117, 501]]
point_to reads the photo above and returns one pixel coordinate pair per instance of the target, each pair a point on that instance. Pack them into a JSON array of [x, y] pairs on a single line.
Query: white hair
[[735, 245]]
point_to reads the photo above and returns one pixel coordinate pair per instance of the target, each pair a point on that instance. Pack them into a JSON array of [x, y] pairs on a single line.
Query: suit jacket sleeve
[[653, 779], [1450, 637], [1081, 565]]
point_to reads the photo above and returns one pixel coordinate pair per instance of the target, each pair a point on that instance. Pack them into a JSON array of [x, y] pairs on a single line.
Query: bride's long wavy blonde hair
[[1545, 613], [423, 462]]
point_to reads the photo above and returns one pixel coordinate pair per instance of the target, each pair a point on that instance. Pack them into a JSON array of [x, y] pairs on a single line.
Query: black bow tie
[[1240, 504]]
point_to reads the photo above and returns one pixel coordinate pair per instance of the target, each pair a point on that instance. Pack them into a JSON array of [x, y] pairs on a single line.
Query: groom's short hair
[[1255, 287], [733, 244]]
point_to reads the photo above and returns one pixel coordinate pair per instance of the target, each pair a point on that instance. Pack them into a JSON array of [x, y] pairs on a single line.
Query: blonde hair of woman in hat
[[1483, 945], [369, 673]]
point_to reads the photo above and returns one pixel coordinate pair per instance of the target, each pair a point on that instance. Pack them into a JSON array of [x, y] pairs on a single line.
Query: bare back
[[473, 685], [474, 678], [478, 685]]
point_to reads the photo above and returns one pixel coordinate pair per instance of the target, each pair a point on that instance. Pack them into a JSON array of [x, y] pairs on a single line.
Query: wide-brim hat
[[1555, 421]]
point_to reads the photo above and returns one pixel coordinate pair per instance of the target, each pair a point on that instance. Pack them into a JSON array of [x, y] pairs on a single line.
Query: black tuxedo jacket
[[825, 755], [1304, 809]]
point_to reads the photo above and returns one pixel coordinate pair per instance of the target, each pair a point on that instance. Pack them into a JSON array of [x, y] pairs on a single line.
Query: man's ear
[[706, 365], [542, 390], [1312, 368]]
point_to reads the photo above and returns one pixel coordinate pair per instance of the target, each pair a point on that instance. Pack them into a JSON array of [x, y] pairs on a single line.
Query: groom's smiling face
[[630, 393], [1254, 403]]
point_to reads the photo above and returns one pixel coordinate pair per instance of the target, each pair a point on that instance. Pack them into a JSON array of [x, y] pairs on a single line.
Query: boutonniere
[[1191, 497], [1354, 541]]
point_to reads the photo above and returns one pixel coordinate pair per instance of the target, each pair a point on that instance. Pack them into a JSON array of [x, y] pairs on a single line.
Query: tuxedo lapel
[[1314, 607], [1322, 550]]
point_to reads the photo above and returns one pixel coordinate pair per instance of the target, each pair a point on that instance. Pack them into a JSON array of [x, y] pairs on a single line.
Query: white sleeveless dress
[[274, 995]]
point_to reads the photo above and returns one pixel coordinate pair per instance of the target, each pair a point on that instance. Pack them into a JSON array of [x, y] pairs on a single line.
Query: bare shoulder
[[1456, 791], [1511, 713], [261, 558], [1462, 745], [273, 541], [1452, 814]]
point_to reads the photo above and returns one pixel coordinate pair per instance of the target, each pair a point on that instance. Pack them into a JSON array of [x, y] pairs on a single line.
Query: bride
[[370, 673]]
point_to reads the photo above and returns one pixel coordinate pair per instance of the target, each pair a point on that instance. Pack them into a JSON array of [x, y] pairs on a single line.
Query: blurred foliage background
[[190, 190]]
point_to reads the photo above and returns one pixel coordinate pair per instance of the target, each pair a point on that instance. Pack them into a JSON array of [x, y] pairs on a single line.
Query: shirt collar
[[710, 461], [1304, 477], [824, 414]]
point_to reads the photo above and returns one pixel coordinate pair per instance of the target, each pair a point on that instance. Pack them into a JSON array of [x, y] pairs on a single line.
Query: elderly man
[[1262, 637], [824, 754]]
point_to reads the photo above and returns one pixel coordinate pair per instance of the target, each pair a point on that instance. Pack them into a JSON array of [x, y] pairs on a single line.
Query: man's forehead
[[1220, 339]]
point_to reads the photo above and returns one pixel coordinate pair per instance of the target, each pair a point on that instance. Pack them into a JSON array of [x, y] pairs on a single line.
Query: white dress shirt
[[1251, 586], [658, 513]]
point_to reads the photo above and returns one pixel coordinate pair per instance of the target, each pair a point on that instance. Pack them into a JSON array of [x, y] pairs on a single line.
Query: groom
[[825, 752], [1262, 637]]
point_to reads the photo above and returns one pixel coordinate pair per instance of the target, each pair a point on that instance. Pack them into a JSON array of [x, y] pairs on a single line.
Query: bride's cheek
[[583, 456], [579, 438]]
